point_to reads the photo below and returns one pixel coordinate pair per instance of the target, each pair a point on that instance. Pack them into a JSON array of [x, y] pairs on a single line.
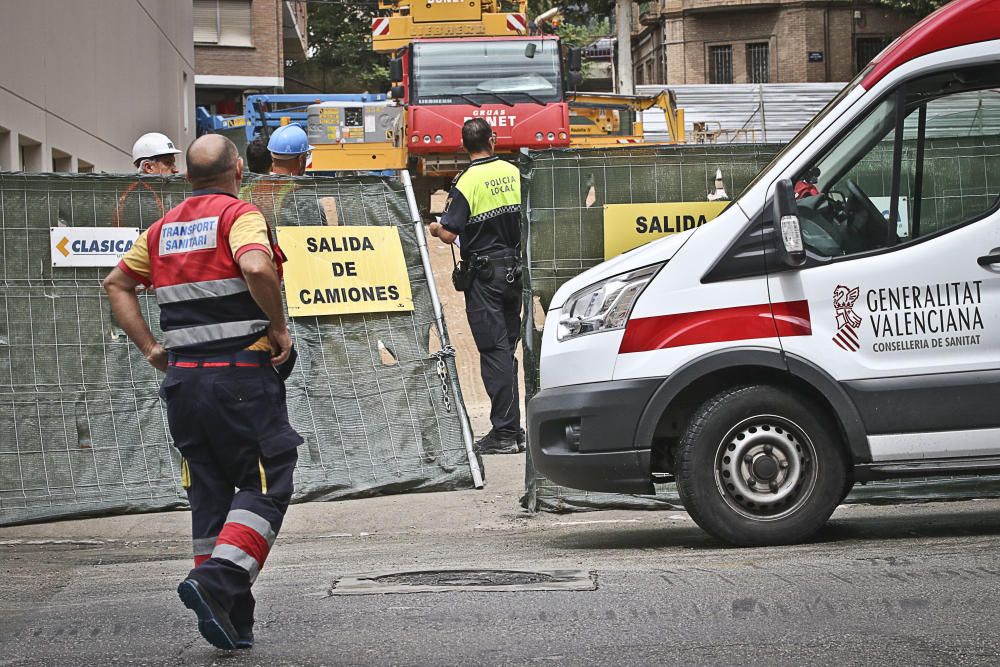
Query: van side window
[[925, 159]]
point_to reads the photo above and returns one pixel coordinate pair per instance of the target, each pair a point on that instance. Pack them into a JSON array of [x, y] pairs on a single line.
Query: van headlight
[[603, 306]]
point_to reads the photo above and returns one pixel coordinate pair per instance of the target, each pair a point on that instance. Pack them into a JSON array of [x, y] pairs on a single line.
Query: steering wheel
[[873, 229]]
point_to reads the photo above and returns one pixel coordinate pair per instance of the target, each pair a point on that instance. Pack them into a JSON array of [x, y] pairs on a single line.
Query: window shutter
[[235, 23], [206, 22]]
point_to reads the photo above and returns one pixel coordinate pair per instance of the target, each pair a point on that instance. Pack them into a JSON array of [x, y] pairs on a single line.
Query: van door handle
[[992, 258]]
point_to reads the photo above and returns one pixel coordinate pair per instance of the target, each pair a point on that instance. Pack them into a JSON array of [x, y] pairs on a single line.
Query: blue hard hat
[[289, 140]]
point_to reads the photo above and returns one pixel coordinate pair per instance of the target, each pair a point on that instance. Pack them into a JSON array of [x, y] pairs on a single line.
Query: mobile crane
[[453, 60]]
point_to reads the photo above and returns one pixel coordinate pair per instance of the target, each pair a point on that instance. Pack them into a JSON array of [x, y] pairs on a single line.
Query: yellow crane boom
[[599, 119]]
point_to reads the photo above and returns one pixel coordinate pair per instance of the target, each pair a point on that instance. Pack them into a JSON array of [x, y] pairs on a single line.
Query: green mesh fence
[[565, 191], [961, 177], [82, 429]]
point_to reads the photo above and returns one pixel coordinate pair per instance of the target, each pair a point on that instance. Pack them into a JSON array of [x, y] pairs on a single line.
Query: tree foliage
[[340, 47], [582, 23], [918, 7]]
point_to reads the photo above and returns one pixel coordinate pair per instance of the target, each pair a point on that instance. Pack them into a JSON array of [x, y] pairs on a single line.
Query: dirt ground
[[466, 356]]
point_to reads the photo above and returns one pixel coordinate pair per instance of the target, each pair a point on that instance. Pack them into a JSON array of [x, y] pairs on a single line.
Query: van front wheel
[[759, 466]]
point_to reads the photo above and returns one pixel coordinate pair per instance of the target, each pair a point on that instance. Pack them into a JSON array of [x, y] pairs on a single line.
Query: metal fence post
[[463, 417]]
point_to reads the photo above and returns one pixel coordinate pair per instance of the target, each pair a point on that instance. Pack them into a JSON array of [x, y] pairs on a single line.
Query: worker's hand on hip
[[434, 227], [281, 343], [157, 358]]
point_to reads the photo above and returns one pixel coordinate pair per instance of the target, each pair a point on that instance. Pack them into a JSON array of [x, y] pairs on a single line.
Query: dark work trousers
[[231, 426], [493, 307]]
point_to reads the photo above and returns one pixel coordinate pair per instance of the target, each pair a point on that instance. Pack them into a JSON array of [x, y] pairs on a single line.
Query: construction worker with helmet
[[226, 350], [285, 201], [155, 153], [290, 150]]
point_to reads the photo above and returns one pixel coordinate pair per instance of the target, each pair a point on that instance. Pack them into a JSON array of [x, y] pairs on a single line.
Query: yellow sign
[[344, 270], [628, 226]]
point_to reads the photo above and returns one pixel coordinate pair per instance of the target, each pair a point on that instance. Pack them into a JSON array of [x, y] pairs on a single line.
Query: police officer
[[484, 213], [216, 271]]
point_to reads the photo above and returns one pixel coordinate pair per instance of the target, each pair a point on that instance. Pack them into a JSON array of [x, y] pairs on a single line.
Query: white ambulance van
[[839, 322]]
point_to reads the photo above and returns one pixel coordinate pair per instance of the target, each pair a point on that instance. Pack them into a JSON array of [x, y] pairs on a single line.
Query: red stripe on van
[[790, 318]]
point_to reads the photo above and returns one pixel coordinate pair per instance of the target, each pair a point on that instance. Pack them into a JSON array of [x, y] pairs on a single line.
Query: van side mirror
[[397, 92], [396, 69], [574, 61], [786, 225]]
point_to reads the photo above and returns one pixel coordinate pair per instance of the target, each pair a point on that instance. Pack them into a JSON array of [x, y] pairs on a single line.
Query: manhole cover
[[439, 581], [466, 578]]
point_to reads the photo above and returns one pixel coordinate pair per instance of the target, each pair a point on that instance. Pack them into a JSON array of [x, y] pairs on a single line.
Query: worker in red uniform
[[216, 271]]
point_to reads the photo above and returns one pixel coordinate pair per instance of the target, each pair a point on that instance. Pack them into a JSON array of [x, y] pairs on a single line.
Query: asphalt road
[[908, 585]]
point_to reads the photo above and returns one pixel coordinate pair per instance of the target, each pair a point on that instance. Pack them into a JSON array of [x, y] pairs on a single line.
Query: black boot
[[213, 621], [497, 442]]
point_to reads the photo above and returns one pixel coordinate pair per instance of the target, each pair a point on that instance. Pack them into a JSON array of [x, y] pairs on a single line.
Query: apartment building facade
[[80, 81], [759, 41], [240, 46]]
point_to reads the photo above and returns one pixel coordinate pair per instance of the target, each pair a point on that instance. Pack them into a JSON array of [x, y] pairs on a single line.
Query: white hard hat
[[152, 144]]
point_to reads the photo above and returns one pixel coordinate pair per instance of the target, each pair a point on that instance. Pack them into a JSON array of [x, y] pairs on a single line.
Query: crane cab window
[[486, 72]]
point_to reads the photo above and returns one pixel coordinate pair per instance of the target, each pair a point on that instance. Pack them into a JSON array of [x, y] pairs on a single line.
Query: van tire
[[758, 466]]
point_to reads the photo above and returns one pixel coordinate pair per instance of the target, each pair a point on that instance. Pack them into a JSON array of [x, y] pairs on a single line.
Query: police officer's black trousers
[[231, 427], [493, 307]]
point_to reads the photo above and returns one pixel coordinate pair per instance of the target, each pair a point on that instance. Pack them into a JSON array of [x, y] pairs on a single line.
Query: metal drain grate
[[440, 581]]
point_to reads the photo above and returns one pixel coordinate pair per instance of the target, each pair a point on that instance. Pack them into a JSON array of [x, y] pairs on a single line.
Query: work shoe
[[213, 621], [244, 639], [497, 442], [522, 440], [241, 616]]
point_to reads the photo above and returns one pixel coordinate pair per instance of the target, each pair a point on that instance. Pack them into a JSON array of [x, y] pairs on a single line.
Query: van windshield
[[794, 144]]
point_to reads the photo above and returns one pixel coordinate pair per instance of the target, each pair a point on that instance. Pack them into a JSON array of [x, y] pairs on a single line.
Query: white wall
[[85, 78]]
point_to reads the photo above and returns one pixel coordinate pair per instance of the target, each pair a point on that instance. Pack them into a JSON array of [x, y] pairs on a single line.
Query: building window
[[5, 154], [758, 63], [866, 48], [61, 160], [223, 22], [185, 109], [84, 167], [720, 64], [30, 153]]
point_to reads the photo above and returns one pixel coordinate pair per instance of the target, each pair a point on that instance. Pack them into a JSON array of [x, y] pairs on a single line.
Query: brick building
[[241, 46], [759, 41]]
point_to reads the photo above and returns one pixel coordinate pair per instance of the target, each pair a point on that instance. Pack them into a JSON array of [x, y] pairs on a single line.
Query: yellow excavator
[[598, 119]]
